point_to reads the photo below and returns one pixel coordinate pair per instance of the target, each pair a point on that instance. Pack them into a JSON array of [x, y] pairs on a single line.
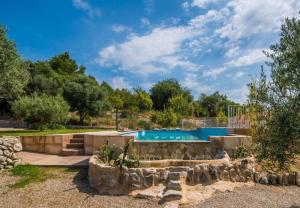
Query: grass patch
[[46, 132], [29, 174]]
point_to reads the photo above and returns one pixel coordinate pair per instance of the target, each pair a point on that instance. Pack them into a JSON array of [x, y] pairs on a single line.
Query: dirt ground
[[70, 189]]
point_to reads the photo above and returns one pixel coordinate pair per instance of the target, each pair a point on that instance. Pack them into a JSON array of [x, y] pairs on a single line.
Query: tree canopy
[[164, 90], [275, 102], [85, 96], [13, 72]]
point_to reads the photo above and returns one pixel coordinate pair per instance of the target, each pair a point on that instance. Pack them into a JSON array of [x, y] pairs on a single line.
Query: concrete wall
[[51, 144], [94, 142]]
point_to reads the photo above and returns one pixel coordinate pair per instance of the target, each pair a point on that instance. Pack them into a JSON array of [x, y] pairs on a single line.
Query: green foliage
[[221, 119], [144, 102], [117, 104], [240, 152], [180, 104], [167, 118], [28, 174], [107, 153], [124, 160], [214, 103], [163, 91], [146, 125], [44, 80], [275, 103], [129, 101], [86, 97], [13, 73], [63, 64], [41, 111]]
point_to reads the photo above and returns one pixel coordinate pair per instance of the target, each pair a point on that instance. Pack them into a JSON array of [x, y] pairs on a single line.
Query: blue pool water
[[168, 135]]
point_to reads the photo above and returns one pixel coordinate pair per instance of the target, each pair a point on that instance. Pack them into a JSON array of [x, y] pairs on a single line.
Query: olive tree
[[13, 72], [43, 111], [275, 102]]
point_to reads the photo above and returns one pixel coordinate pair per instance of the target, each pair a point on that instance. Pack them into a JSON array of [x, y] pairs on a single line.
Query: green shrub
[[124, 160], [167, 118], [41, 112], [107, 154], [146, 125], [240, 152]]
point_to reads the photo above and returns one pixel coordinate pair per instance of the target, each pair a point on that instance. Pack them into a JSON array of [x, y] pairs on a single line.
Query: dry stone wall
[[8, 148], [112, 180]]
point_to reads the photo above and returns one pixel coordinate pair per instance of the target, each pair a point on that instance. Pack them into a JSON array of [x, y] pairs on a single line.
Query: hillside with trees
[[57, 92]]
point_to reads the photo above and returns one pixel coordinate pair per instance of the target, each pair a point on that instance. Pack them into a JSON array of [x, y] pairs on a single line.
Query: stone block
[[174, 176], [174, 185], [171, 195]]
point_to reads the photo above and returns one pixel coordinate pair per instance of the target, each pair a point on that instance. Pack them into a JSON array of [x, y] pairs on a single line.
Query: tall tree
[[13, 73], [275, 102], [63, 64], [214, 103], [85, 96], [164, 90], [117, 104]]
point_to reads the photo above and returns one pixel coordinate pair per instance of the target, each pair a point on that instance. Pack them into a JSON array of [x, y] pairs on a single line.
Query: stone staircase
[[173, 189], [75, 147]]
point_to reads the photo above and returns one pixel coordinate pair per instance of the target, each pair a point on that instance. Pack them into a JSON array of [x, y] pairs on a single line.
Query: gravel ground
[[258, 196], [70, 189], [67, 189]]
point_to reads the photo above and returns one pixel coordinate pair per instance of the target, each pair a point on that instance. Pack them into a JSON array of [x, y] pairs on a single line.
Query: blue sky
[[207, 45]]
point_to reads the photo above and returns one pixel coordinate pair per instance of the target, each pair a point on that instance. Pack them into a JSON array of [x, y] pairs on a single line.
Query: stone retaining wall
[[8, 147], [193, 150], [51, 144], [112, 180], [189, 150], [94, 142]]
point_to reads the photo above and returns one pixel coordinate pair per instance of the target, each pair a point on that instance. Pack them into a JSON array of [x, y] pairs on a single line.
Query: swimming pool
[[177, 135]]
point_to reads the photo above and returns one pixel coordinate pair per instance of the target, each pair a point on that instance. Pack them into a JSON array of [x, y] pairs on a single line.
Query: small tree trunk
[[117, 122]]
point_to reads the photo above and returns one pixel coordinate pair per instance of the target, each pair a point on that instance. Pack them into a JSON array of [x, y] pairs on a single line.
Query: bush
[[240, 152], [146, 125], [41, 112], [107, 153], [168, 118]]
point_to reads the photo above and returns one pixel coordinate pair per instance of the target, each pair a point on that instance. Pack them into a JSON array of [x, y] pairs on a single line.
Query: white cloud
[[120, 28], [238, 75], [161, 50], [192, 82], [252, 57], [186, 6], [202, 3], [145, 22], [213, 73], [238, 94], [232, 51], [120, 83], [253, 17], [85, 6], [149, 6]]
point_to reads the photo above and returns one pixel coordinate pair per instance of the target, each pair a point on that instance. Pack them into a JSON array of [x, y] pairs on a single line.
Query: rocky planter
[[113, 180], [8, 148]]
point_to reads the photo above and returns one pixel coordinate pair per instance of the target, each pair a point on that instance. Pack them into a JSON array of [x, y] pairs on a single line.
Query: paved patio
[[53, 160]]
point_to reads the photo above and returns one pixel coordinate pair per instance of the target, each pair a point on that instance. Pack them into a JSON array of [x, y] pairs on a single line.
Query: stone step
[[174, 185], [72, 152], [171, 195], [77, 140], [78, 136], [75, 146], [174, 176]]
